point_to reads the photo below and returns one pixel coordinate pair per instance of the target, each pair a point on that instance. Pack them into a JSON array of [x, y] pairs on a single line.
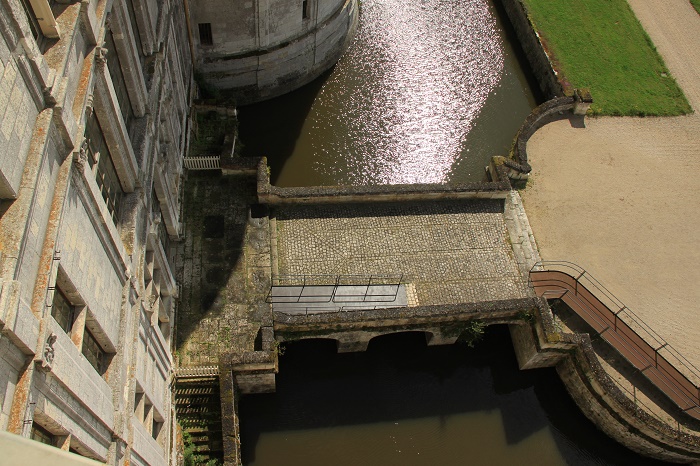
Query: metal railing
[[310, 311], [638, 343], [203, 163], [199, 371], [334, 288]]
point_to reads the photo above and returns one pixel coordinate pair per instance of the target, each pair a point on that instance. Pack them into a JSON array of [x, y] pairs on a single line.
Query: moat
[[427, 93], [401, 403]]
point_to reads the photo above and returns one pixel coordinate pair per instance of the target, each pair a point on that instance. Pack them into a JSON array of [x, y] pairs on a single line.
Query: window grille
[[93, 352], [42, 435], [101, 162], [115, 72]]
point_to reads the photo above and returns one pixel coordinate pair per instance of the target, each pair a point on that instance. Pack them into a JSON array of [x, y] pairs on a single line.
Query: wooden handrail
[[614, 330]]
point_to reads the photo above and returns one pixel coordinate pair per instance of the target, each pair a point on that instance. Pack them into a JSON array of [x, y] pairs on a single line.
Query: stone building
[[95, 120], [258, 49], [94, 110]]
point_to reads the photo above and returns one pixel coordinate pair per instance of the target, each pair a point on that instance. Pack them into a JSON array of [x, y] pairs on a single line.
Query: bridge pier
[[436, 338], [352, 346], [529, 349]]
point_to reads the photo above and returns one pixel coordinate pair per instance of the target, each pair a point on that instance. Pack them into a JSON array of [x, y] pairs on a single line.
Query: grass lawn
[[600, 45], [696, 5]]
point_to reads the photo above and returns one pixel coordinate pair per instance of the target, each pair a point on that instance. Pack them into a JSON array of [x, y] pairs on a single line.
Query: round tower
[[254, 50]]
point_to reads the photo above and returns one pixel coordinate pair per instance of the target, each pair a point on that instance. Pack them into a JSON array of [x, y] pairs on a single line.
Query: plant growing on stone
[[277, 348], [472, 333], [528, 316]]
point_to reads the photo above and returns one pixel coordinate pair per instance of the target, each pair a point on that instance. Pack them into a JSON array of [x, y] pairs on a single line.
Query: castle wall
[[262, 49], [93, 130]]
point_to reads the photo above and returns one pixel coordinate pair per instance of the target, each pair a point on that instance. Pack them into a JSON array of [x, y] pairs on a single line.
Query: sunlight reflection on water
[[425, 81]]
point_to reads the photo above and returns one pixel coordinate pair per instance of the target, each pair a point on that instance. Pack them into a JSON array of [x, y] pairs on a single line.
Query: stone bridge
[[464, 255]]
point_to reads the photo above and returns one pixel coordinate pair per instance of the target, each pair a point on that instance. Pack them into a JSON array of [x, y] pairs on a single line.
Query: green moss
[[211, 128]]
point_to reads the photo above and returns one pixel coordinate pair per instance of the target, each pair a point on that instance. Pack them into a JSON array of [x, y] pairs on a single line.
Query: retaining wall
[[595, 393], [551, 83]]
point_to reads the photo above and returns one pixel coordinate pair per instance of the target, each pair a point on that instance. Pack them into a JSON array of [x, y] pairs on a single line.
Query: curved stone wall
[[596, 394], [256, 50]]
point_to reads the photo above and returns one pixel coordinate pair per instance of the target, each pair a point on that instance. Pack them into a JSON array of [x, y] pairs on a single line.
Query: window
[[62, 311], [41, 40], [93, 352], [156, 428], [305, 9], [115, 72], [205, 37], [100, 160], [42, 435]]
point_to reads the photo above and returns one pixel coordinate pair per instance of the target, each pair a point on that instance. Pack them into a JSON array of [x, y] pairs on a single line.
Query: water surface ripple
[[427, 92], [428, 68]]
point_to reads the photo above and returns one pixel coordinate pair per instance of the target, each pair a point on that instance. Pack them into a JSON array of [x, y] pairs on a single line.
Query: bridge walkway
[[449, 252]]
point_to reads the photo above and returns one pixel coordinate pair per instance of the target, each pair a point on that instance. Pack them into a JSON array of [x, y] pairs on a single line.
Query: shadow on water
[[272, 128], [518, 52], [401, 380]]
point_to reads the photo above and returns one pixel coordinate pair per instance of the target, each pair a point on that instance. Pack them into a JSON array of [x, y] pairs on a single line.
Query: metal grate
[[203, 163]]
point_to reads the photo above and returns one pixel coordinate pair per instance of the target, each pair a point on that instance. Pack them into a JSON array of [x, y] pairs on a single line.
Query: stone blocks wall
[[11, 363], [261, 50], [56, 229], [535, 51], [16, 122], [86, 259]]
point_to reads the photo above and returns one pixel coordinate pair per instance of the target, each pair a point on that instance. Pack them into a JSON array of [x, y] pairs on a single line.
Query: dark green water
[[402, 403], [428, 92]]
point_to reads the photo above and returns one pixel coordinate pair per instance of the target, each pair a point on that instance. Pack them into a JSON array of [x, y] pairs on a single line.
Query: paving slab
[[224, 268], [451, 252]]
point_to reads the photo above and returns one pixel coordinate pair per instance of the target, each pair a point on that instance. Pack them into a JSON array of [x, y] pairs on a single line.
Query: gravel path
[[620, 196]]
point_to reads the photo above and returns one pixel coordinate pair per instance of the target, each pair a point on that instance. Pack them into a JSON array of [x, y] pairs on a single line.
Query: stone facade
[[262, 49], [93, 129]]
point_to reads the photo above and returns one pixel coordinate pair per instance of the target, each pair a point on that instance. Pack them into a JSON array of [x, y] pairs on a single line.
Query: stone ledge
[[274, 195]]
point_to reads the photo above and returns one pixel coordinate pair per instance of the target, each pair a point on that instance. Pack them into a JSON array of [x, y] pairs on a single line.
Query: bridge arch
[[418, 337]]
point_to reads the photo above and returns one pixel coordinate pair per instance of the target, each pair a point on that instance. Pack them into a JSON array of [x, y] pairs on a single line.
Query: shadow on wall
[[213, 272]]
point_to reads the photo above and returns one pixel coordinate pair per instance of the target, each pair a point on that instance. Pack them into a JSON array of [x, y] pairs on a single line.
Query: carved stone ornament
[[49, 351], [81, 156], [89, 106], [100, 55]]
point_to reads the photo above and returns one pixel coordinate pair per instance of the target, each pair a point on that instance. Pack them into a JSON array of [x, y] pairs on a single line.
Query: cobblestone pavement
[[452, 252], [224, 268]]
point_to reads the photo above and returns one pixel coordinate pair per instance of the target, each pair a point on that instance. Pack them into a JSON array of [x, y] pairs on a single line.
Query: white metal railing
[[200, 371], [203, 163]]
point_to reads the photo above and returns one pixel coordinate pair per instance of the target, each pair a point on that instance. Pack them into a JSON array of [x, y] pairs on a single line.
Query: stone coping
[[438, 314]]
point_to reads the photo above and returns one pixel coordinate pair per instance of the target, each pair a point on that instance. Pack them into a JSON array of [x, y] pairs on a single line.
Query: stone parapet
[[274, 195], [449, 318]]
